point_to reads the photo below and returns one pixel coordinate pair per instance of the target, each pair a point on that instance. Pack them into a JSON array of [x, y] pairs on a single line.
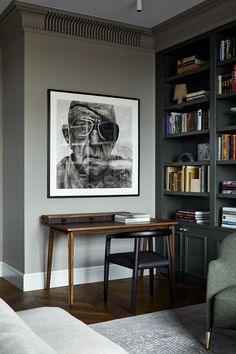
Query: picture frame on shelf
[[203, 152], [93, 145]]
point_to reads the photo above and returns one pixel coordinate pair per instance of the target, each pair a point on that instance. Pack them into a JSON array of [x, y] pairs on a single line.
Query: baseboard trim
[[36, 281], [13, 275]]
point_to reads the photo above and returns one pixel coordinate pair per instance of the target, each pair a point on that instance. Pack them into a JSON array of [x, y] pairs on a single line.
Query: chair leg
[[207, 340], [106, 277], [135, 276], [151, 280]]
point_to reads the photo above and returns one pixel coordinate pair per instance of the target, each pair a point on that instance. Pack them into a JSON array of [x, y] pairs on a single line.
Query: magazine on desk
[[129, 218]]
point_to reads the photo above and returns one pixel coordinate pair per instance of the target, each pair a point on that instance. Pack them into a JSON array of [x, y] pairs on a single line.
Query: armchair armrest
[[220, 276]]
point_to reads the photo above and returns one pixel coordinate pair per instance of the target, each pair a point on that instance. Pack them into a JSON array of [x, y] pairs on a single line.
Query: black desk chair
[[138, 260]]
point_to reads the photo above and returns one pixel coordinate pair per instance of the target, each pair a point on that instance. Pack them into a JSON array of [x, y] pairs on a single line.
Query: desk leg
[[172, 247], [70, 237], [50, 253]]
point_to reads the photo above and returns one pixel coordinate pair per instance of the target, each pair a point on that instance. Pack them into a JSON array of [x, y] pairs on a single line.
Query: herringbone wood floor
[[88, 298]]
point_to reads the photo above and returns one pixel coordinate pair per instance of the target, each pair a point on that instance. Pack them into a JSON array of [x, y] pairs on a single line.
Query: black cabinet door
[[197, 243]]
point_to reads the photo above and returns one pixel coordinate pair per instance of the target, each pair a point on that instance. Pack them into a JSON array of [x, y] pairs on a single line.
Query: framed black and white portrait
[[93, 145]]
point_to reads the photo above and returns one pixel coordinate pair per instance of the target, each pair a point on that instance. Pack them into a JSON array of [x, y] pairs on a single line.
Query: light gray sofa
[[47, 330]]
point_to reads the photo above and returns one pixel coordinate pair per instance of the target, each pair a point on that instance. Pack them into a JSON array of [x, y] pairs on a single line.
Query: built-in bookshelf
[[196, 156]]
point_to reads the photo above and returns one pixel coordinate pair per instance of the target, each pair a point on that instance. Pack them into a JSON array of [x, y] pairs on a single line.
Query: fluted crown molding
[[22, 16], [207, 16]]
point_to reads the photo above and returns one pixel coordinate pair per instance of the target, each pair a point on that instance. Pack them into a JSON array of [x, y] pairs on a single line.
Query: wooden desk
[[91, 223]]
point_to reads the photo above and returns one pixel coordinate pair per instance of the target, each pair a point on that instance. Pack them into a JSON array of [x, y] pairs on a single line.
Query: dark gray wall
[[73, 64], [1, 146], [13, 153]]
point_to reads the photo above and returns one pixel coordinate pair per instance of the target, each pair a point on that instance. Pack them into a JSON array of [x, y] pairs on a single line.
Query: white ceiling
[[154, 11]]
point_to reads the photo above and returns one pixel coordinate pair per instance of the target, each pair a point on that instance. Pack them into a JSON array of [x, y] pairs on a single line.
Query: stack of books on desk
[[196, 216], [132, 218]]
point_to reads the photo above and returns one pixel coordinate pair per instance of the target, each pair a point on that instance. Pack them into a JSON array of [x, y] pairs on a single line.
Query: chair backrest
[[228, 249]]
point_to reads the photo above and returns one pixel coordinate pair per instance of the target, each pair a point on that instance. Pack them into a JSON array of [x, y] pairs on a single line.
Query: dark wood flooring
[[88, 298]]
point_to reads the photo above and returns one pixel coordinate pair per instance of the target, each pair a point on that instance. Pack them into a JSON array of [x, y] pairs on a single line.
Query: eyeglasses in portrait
[[93, 145]]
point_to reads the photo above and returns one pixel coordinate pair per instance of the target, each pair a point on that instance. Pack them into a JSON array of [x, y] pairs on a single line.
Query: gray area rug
[[179, 331]]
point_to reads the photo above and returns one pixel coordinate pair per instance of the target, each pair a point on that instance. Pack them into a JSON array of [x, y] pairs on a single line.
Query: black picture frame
[[93, 145]]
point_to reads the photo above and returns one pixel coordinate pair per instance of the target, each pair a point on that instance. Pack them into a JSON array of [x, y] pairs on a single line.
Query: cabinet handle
[[185, 230], [181, 229]]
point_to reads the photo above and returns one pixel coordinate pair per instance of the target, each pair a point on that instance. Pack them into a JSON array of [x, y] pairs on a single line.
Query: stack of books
[[229, 217], [197, 95], [195, 216], [131, 218], [188, 64], [228, 187]]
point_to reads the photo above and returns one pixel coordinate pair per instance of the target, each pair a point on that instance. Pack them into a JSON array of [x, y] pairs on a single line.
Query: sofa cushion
[[16, 337], [66, 334]]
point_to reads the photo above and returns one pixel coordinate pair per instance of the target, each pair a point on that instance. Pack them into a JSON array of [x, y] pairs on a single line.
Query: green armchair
[[221, 289]]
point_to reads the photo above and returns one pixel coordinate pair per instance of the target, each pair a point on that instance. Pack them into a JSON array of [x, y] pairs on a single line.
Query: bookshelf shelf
[[226, 162], [231, 128], [180, 107], [187, 134], [227, 62], [187, 194], [190, 74], [192, 163], [226, 96], [226, 196]]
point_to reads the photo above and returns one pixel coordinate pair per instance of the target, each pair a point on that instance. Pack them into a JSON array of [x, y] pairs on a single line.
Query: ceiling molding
[[23, 16], [202, 18]]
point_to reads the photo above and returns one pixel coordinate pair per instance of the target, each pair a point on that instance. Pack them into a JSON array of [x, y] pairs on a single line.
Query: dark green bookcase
[[196, 244]]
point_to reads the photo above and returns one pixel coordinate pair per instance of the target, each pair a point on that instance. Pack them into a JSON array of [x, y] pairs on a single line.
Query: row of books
[[228, 217], [189, 64], [187, 179], [131, 218], [195, 216], [176, 122], [227, 82], [227, 147], [228, 187], [227, 49]]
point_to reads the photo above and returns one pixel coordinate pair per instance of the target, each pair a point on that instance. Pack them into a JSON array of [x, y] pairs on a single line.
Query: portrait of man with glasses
[[91, 135]]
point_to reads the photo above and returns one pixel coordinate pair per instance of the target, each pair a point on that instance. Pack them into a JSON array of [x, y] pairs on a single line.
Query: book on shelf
[[188, 68], [228, 187], [194, 211], [197, 93], [187, 59], [197, 216], [193, 61], [129, 217]]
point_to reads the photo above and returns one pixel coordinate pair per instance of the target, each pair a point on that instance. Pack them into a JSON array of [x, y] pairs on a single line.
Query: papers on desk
[[131, 218]]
